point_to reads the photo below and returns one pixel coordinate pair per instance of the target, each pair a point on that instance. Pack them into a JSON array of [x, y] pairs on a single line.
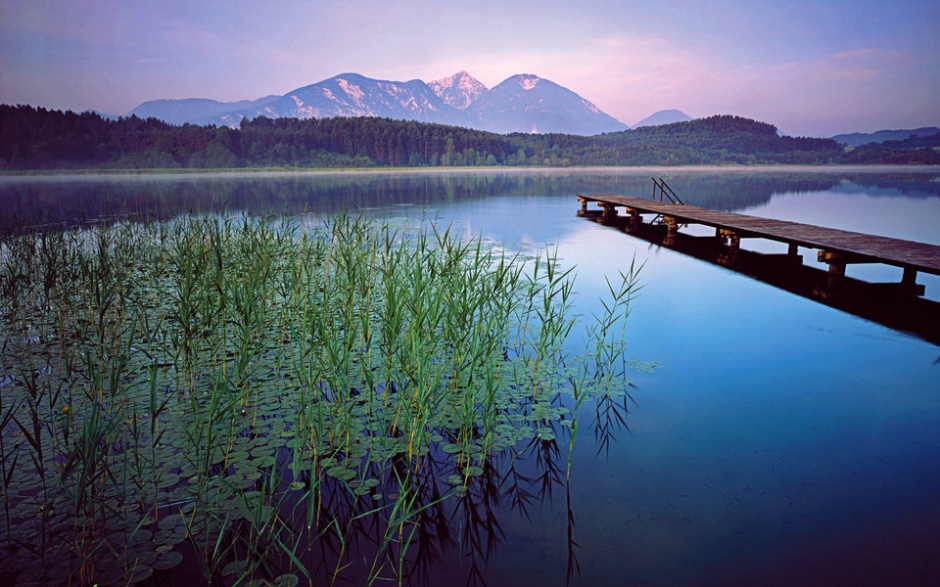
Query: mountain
[[663, 117], [193, 110], [858, 138], [522, 103], [352, 95], [528, 103], [459, 90]]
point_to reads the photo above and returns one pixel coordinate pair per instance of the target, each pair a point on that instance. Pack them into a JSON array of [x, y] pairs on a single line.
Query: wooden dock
[[835, 247]]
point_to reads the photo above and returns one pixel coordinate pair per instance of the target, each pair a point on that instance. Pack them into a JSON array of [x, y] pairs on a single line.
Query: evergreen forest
[[37, 138]]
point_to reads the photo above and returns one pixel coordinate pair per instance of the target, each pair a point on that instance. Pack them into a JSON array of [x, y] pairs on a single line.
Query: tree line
[[37, 138]]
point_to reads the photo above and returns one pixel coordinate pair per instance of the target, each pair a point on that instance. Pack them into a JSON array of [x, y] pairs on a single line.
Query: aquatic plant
[[264, 395]]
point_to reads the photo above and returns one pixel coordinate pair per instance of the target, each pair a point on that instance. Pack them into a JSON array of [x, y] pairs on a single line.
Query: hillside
[[857, 139]]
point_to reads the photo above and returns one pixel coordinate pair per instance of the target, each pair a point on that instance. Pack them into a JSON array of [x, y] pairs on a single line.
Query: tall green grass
[[270, 395]]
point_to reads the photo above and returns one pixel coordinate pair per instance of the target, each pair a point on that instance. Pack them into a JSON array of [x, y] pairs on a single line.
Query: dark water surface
[[778, 441]]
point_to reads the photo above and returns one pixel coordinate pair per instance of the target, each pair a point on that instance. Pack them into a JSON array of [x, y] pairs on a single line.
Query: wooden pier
[[896, 305], [836, 247]]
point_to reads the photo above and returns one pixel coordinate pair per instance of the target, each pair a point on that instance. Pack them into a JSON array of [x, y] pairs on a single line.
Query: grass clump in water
[[256, 388]]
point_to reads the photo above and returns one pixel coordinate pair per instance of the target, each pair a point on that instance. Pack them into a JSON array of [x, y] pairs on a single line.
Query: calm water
[[779, 441]]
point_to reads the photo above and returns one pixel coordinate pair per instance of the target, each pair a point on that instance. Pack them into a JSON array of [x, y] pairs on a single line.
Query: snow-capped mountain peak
[[459, 90]]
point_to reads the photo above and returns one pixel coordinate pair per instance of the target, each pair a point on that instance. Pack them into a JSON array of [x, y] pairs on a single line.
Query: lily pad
[[168, 560], [238, 567], [290, 580], [139, 573]]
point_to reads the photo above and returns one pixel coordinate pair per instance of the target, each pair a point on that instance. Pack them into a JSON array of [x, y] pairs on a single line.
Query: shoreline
[[176, 174]]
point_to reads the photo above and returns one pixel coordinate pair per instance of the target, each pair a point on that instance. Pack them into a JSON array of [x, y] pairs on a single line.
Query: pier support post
[[909, 283], [635, 218], [730, 237], [672, 227], [733, 240], [610, 211], [837, 264]]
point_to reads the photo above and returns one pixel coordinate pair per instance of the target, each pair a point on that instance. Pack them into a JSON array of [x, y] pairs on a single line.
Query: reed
[[229, 381]]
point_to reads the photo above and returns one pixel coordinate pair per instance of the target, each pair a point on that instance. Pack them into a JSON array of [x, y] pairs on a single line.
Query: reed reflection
[[445, 537]]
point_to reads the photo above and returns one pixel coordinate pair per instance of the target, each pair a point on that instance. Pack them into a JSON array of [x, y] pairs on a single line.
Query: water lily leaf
[[340, 472], [290, 580], [139, 573], [167, 560], [238, 567], [168, 481]]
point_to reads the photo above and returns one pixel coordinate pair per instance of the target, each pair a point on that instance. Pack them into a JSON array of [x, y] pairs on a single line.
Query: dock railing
[[664, 191]]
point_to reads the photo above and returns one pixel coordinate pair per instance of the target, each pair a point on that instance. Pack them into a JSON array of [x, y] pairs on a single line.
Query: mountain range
[[522, 103]]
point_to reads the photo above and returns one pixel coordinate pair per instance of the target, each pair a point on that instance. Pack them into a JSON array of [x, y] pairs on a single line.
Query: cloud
[[632, 76]]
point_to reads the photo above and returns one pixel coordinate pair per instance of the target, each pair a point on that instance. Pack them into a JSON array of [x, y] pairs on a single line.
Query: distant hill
[[726, 138], [915, 142], [857, 139], [522, 103], [663, 117], [193, 110]]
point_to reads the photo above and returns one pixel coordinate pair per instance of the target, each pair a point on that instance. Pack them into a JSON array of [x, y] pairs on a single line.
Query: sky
[[810, 67]]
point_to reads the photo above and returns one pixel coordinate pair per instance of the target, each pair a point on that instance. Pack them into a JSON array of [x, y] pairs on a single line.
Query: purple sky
[[811, 67]]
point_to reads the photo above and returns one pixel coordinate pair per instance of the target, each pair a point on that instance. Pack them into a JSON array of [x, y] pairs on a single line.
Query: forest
[[40, 139]]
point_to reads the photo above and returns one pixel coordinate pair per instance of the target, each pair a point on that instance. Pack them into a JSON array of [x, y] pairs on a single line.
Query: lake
[[769, 439]]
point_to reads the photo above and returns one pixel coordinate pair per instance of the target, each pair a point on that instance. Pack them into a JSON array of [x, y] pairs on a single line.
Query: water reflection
[[454, 541], [80, 200]]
